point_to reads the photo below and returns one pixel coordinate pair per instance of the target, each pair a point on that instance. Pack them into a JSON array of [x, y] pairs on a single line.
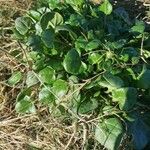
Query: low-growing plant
[[88, 60]]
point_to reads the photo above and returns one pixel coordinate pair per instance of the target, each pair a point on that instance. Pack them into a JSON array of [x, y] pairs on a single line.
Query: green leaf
[[109, 133], [139, 130], [68, 29], [90, 35], [94, 58], [109, 109], [125, 58], [123, 15], [75, 20], [31, 79], [56, 64], [130, 51], [144, 80], [25, 105], [73, 79], [60, 88], [81, 43], [45, 19], [54, 3], [32, 56], [139, 27], [22, 25], [72, 62], [46, 96], [48, 37], [47, 75], [23, 93], [111, 81], [126, 97], [15, 78], [106, 7], [146, 53], [83, 67], [17, 35], [34, 14], [132, 73], [76, 4], [92, 45], [34, 42], [57, 20], [75, 96], [116, 44], [39, 64], [87, 106], [135, 60], [38, 29]]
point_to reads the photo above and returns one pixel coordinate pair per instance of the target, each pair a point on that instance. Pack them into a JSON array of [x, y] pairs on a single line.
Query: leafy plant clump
[[88, 62]]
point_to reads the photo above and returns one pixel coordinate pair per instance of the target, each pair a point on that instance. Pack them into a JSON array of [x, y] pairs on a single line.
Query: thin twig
[[142, 43], [70, 140], [24, 51]]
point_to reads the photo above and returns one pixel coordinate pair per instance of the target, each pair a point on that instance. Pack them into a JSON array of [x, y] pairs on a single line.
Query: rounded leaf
[[34, 42], [72, 62], [34, 14], [81, 42], [109, 133], [87, 106], [47, 75], [126, 97], [48, 37], [139, 129], [68, 29], [31, 79], [60, 88], [15, 78], [83, 67], [17, 35], [139, 27], [22, 25], [94, 58], [57, 20], [92, 45], [46, 96], [111, 81], [25, 105], [45, 19]]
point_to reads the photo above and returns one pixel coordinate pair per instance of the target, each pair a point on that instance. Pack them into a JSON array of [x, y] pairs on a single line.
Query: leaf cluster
[[91, 59]]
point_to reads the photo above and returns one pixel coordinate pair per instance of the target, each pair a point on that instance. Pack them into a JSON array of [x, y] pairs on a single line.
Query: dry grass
[[22, 132]]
